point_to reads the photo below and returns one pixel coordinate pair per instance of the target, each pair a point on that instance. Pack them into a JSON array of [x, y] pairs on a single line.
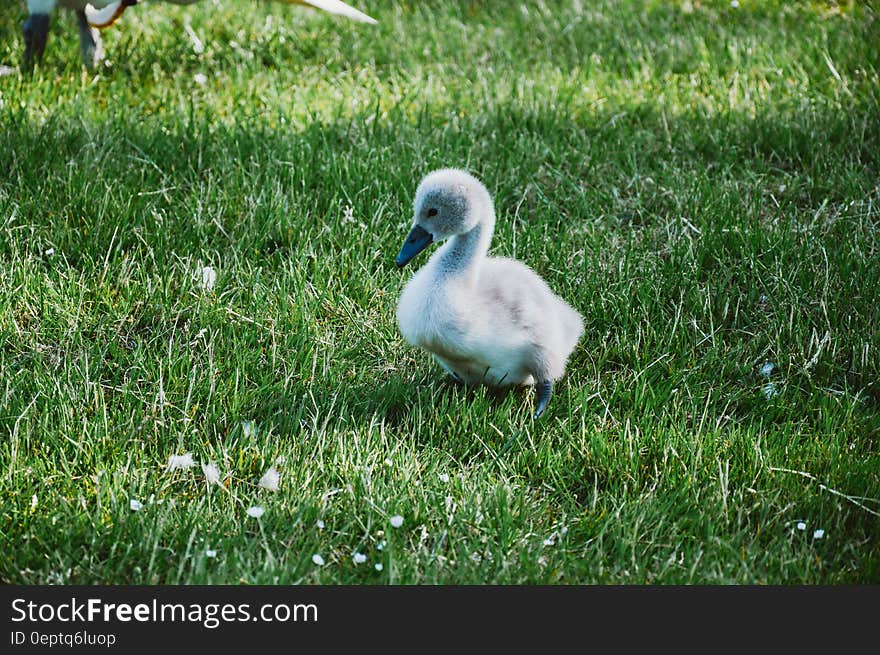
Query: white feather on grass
[[180, 462], [270, 479], [212, 473]]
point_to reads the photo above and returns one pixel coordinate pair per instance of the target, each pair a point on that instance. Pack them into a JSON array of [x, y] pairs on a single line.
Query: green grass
[[701, 182]]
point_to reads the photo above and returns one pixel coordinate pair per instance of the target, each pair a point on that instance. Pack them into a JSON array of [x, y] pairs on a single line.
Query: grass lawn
[[701, 180]]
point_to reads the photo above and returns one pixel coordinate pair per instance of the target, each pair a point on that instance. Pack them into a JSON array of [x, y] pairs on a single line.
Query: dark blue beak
[[416, 242]]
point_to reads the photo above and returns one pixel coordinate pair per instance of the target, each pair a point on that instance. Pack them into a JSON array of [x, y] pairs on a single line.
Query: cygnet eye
[[432, 212]]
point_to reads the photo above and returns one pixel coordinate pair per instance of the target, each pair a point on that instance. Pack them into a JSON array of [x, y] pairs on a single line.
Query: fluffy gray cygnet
[[486, 320]]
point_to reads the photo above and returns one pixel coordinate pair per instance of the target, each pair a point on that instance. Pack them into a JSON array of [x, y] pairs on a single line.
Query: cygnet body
[[486, 320]]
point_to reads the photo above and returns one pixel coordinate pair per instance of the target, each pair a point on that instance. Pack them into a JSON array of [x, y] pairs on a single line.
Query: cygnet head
[[448, 202]]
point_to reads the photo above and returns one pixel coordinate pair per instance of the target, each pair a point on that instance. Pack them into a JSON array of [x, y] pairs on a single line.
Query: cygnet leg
[[544, 390], [36, 31], [89, 41]]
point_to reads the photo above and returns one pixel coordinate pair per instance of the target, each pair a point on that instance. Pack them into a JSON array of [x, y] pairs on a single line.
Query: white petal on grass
[[359, 558], [767, 369], [200, 78], [256, 511], [318, 560], [801, 525], [198, 46], [818, 534], [270, 479], [249, 429], [136, 505], [212, 473], [210, 553], [34, 501], [209, 278], [320, 524], [49, 252], [444, 478], [379, 566], [396, 521], [549, 541], [734, 4], [180, 462]]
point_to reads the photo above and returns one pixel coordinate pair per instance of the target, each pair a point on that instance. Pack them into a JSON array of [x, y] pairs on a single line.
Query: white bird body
[[331, 6], [486, 320], [93, 14]]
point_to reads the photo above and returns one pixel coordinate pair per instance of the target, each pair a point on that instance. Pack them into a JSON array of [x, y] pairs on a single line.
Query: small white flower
[[248, 429], [320, 524], [210, 553], [200, 78], [180, 462], [318, 560], [49, 252], [359, 558], [767, 369], [34, 501], [348, 214], [212, 473], [734, 4], [57, 578], [379, 566], [818, 534], [270, 479], [396, 521], [444, 478], [255, 511], [563, 530], [209, 278], [549, 541], [801, 525], [136, 505]]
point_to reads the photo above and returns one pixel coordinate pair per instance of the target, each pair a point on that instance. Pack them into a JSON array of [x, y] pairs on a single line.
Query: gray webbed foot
[[89, 41], [36, 31], [545, 391]]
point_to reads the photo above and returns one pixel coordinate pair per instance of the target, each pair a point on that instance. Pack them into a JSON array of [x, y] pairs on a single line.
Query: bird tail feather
[[335, 7]]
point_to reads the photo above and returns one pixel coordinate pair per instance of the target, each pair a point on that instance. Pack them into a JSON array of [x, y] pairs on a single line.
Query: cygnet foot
[[544, 391]]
